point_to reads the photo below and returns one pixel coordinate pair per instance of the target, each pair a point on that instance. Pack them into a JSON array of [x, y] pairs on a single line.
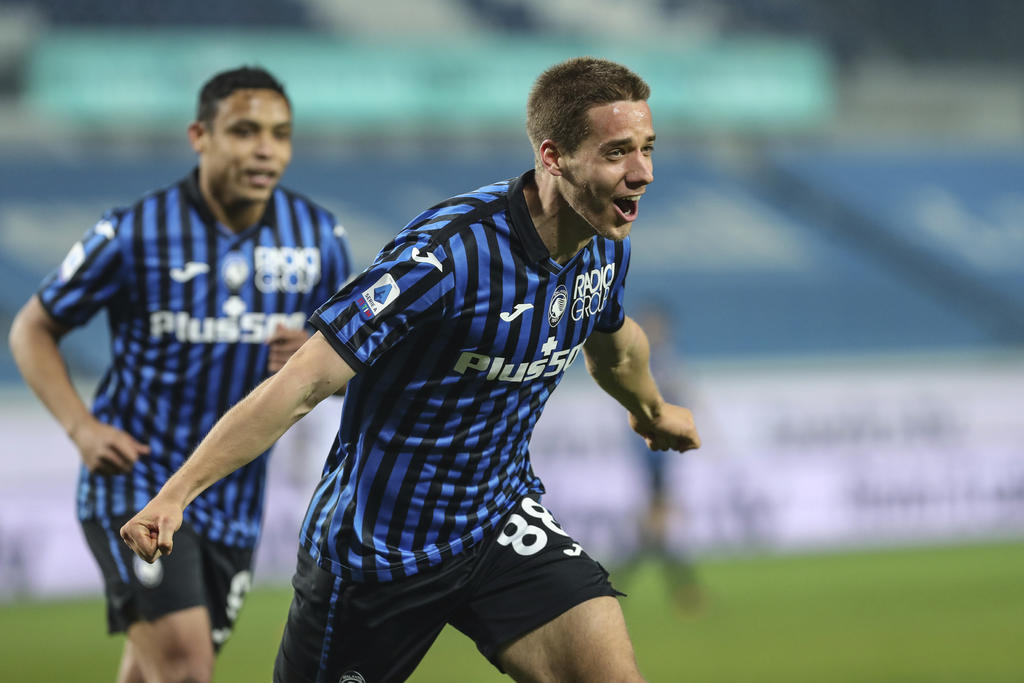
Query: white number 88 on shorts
[[525, 538]]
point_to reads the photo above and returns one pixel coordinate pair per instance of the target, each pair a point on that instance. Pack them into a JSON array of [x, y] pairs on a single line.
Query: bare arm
[[313, 373], [283, 343], [620, 364], [34, 340]]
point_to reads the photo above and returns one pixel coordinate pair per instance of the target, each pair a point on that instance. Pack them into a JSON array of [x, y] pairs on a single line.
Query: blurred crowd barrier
[[797, 456]]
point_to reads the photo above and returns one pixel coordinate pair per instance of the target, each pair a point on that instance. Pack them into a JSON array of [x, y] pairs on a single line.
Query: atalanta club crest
[[556, 308], [235, 270]]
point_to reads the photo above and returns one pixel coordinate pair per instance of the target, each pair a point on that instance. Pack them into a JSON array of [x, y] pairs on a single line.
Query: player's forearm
[[240, 436], [35, 350], [312, 374], [632, 385], [620, 364]]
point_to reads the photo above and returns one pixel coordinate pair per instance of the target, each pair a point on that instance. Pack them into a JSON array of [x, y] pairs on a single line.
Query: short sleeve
[[88, 278], [405, 288]]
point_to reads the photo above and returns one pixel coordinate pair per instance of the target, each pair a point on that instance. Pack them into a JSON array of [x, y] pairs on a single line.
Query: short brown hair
[[561, 97]]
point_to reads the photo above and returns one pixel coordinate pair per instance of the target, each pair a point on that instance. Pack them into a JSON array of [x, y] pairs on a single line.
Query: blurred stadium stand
[[790, 231], [181, 13]]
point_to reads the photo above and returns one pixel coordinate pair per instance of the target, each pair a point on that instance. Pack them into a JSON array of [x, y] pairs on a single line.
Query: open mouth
[[260, 178], [628, 206]]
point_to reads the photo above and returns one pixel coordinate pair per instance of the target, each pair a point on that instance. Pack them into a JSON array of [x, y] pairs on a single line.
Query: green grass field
[[932, 615]]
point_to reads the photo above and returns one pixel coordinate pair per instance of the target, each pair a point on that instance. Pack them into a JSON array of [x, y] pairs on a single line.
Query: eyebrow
[[611, 144], [257, 124]]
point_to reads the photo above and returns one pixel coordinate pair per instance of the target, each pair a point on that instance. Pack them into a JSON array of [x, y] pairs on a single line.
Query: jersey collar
[[522, 223]]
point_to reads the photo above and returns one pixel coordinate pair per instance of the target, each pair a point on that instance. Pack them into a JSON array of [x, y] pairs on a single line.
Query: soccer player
[[207, 285], [449, 344]]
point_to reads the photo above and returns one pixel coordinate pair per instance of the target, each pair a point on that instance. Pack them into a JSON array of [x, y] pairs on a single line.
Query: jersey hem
[[348, 573], [339, 346], [49, 310], [611, 330]]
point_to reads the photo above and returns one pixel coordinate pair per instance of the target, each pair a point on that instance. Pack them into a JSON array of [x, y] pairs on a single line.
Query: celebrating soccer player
[[450, 344], [207, 284]]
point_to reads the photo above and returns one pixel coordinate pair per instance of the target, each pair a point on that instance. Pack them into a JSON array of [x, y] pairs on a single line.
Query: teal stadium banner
[[148, 80]]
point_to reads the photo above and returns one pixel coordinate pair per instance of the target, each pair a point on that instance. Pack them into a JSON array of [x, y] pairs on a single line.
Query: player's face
[[246, 149], [607, 175]]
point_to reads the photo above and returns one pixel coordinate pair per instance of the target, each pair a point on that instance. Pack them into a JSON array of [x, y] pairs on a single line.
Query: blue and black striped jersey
[[459, 331], [190, 306]]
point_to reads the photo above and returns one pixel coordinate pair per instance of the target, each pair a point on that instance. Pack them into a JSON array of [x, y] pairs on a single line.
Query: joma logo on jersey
[[590, 293], [498, 368], [248, 328], [286, 269]]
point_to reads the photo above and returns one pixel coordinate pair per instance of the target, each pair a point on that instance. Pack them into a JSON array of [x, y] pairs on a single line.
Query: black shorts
[[500, 589], [198, 572]]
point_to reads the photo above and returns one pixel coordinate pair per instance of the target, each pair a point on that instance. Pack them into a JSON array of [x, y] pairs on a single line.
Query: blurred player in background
[[653, 541], [450, 344], [207, 285]]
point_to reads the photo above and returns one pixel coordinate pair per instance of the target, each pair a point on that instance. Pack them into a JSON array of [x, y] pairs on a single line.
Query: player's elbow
[[301, 388], [14, 335], [22, 336], [605, 362], [320, 389], [31, 326]]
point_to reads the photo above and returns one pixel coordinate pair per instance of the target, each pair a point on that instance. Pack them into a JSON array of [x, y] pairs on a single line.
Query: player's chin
[[256, 194], [617, 232], [251, 192]]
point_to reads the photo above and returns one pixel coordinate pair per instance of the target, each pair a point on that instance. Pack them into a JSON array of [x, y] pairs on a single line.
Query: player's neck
[[563, 231], [239, 217], [235, 217]]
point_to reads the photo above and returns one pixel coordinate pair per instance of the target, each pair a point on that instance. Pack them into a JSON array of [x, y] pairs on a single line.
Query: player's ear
[[197, 135], [550, 157]]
